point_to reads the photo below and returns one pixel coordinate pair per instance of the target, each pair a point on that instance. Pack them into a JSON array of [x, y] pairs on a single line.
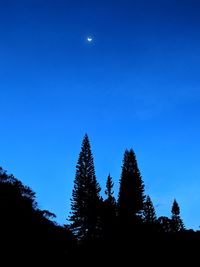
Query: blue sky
[[136, 85]]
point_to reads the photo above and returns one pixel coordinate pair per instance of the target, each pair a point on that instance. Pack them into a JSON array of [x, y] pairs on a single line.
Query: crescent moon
[[89, 39]]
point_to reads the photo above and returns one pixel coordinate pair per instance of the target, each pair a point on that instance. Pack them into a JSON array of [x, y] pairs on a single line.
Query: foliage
[[85, 202], [176, 221], [149, 211], [131, 192]]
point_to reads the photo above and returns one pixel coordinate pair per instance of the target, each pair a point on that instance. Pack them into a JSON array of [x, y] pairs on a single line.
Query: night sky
[[136, 84]]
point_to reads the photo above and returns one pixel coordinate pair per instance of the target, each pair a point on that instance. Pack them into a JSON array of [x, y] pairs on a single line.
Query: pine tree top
[[109, 186], [131, 192], [175, 208]]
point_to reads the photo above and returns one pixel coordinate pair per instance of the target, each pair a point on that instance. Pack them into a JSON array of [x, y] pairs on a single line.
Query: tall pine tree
[[131, 192], [85, 200], [176, 221], [149, 211], [109, 210], [109, 190]]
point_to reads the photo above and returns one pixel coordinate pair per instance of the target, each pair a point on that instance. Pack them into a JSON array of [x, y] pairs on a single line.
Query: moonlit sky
[[137, 84]]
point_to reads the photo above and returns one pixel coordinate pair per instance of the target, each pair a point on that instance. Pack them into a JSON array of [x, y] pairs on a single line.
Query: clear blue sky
[[136, 85]]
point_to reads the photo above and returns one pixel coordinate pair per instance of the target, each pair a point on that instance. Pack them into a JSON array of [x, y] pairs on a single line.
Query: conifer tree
[[176, 221], [110, 200], [85, 200], [109, 209], [109, 189], [131, 192], [149, 211]]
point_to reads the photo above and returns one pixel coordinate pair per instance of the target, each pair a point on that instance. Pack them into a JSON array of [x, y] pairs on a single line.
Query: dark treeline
[[99, 230], [26, 232], [125, 228]]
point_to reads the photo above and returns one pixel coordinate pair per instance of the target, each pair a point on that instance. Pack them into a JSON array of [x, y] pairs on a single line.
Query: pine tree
[[110, 201], [109, 189], [149, 211], [176, 221], [85, 200], [131, 192], [109, 209]]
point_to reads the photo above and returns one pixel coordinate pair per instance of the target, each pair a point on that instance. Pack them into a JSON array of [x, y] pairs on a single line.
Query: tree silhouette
[[176, 221], [85, 202], [102, 227], [109, 209], [149, 211], [25, 230], [131, 192], [109, 190]]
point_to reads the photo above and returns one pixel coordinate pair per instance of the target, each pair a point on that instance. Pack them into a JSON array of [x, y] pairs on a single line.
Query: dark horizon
[[127, 226]]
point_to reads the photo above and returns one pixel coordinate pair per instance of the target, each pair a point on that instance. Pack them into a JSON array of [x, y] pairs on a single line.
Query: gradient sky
[[136, 85]]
